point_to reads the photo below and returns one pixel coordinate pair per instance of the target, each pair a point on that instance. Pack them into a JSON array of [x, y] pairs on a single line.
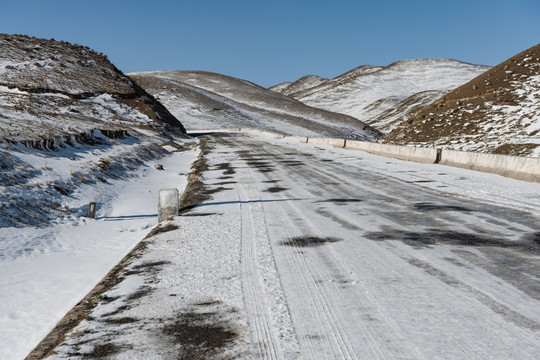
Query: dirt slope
[[496, 112]]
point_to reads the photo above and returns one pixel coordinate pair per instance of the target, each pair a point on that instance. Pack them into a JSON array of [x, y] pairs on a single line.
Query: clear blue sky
[[272, 41]]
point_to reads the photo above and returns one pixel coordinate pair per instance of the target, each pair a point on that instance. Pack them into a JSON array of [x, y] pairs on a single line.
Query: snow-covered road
[[311, 252]]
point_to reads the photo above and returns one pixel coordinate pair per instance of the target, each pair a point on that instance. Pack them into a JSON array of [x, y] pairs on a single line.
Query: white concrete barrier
[[301, 139], [276, 135], [521, 168], [424, 155], [338, 143]]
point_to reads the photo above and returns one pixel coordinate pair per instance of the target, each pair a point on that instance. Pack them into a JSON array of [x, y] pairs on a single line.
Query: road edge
[[189, 198]]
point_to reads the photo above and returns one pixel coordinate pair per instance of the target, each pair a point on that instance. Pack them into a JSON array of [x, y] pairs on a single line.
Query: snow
[[306, 82], [203, 100], [279, 87], [46, 271], [49, 114], [39, 63], [169, 148], [7, 65], [369, 288], [5, 89], [370, 94]]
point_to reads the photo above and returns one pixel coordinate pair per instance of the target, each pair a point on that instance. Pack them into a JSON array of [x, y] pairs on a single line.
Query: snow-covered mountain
[[497, 112], [306, 82], [68, 118], [383, 96], [203, 100]]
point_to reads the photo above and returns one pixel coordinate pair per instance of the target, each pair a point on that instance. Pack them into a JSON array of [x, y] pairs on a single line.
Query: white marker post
[[168, 202], [92, 210]]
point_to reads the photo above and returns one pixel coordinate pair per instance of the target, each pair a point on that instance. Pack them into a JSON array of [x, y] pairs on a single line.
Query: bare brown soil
[[196, 191], [201, 334]]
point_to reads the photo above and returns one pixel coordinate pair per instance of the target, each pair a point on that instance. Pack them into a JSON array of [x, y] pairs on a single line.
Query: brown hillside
[[497, 112], [52, 90]]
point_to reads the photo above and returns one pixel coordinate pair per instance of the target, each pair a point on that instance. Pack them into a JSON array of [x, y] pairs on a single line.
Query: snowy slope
[[498, 112], [306, 82], [342, 79], [279, 87], [61, 88], [45, 271], [69, 118], [384, 96], [209, 100]]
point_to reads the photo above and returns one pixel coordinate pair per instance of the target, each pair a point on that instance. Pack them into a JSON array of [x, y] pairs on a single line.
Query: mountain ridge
[[40, 69], [366, 92], [495, 112], [248, 105]]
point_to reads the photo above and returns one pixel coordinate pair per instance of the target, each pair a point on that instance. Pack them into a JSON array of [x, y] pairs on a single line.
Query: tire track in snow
[[306, 333], [474, 283], [386, 275], [321, 303], [319, 273], [353, 187], [257, 310], [375, 336], [297, 274]]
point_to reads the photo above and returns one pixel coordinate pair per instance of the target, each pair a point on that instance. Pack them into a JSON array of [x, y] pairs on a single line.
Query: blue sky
[[269, 42]]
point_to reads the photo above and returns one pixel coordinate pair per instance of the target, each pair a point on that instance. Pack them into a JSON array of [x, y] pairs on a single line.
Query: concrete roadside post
[[92, 210], [438, 156], [168, 202]]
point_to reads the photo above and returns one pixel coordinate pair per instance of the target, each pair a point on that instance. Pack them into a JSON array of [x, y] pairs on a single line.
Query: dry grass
[[104, 163]]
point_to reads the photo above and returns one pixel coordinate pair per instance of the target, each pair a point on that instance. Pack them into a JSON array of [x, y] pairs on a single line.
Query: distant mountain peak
[[383, 95]]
